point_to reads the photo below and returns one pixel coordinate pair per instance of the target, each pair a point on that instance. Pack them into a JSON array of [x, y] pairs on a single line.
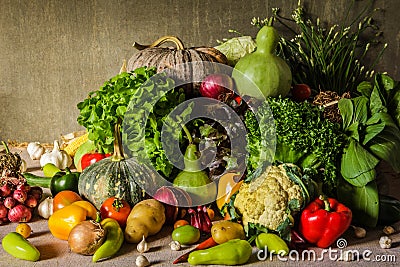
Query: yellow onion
[[86, 237]]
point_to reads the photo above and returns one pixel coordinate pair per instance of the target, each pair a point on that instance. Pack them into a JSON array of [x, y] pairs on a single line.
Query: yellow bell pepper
[[227, 186], [63, 220]]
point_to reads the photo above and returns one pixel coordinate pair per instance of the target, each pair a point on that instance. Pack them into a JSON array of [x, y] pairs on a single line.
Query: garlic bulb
[[35, 150], [58, 157], [142, 246], [142, 261], [45, 208]]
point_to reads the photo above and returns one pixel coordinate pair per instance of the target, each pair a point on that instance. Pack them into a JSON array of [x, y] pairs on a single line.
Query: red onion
[[173, 198], [20, 195], [31, 201], [5, 190], [23, 187], [9, 202], [20, 213], [37, 192], [217, 86], [3, 211]]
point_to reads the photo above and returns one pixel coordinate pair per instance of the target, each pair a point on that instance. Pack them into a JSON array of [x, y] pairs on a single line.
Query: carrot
[[208, 243]]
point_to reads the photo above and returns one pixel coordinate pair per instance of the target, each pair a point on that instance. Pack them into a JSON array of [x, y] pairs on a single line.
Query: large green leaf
[[357, 164], [363, 202], [346, 111], [386, 146]]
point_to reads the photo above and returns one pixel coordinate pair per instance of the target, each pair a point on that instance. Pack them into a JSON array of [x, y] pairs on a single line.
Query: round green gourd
[[263, 67], [114, 176]]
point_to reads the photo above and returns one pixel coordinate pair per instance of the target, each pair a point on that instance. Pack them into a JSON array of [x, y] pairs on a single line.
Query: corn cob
[[73, 146]]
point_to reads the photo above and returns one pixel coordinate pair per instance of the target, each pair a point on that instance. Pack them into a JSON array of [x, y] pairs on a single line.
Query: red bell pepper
[[323, 221], [90, 158]]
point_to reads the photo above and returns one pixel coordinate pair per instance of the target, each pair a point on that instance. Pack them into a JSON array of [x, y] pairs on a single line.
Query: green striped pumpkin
[[114, 176]]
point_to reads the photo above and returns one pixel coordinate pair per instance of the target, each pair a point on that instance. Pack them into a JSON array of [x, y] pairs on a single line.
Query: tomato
[[180, 223], [64, 198], [23, 229], [211, 213], [117, 209]]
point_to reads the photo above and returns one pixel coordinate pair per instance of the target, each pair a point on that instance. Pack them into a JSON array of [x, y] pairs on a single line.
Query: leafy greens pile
[[106, 106], [303, 137], [370, 122]]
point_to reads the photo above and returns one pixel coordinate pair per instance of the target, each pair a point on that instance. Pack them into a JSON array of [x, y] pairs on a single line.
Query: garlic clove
[[142, 246], [389, 230], [175, 245], [142, 261]]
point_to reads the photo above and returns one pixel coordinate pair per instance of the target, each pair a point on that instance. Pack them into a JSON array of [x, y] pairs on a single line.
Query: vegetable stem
[[118, 154]]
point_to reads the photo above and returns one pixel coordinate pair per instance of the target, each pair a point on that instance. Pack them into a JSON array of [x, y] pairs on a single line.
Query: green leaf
[[365, 88], [386, 146], [357, 164], [363, 202], [360, 109], [346, 111], [394, 106], [373, 127]]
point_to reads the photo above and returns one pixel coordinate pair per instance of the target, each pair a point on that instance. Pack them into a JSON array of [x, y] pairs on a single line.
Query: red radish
[[300, 92], [217, 86], [20, 213], [9, 202], [5, 190], [31, 201], [20, 195], [3, 220], [3, 211]]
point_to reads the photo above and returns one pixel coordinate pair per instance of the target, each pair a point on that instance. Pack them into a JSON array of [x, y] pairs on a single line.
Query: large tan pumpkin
[[154, 55]]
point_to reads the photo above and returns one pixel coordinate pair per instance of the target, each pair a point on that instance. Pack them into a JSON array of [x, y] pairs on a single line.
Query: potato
[[145, 219], [224, 231]]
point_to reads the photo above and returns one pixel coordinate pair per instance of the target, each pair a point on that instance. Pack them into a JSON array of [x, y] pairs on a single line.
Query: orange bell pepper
[[227, 186], [63, 220]]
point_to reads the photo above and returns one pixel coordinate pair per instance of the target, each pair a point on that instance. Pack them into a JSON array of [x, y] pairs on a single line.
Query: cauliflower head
[[270, 198]]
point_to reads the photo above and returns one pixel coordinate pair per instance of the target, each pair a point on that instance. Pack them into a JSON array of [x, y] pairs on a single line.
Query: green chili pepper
[[232, 252], [114, 240], [62, 180], [19, 247]]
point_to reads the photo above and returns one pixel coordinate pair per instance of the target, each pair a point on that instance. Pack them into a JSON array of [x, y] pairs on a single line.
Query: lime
[[49, 169]]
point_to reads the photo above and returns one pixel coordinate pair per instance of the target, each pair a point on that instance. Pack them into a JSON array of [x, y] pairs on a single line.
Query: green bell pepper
[[232, 252], [62, 180]]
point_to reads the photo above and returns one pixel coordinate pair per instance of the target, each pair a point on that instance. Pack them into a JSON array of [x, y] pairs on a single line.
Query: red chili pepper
[[90, 158], [208, 243], [324, 220]]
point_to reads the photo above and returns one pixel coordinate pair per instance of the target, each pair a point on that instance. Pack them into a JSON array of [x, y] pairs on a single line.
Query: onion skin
[[86, 237], [173, 198], [20, 213], [217, 86]]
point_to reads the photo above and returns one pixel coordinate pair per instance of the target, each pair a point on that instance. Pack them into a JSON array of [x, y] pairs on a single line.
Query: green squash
[[195, 181], [115, 176], [270, 73]]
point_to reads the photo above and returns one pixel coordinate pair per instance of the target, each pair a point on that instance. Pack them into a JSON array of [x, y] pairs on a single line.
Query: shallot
[[20, 213]]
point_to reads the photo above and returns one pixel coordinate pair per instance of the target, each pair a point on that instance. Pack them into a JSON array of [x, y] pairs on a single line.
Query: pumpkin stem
[[118, 155], [160, 41]]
